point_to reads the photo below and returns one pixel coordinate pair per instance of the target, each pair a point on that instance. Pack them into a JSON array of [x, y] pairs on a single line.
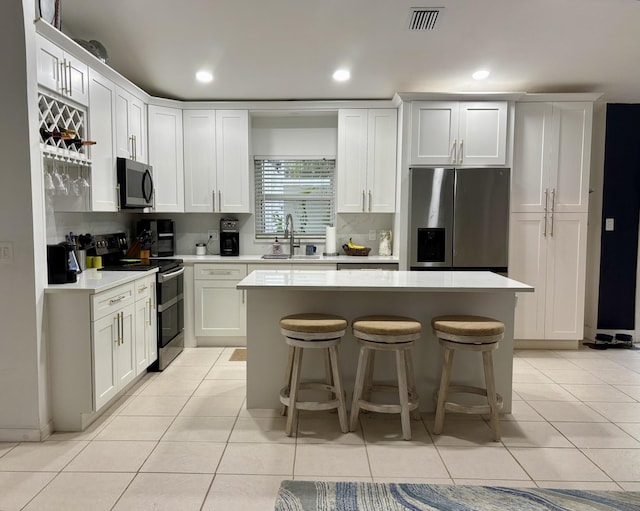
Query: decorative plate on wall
[[50, 12]]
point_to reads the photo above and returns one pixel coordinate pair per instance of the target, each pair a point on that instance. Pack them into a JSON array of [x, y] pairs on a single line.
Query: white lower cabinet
[[113, 326], [146, 324], [549, 253], [98, 344], [220, 309]]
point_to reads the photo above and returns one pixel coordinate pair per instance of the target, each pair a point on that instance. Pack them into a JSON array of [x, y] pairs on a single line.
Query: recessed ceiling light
[[341, 75], [480, 75], [204, 76]]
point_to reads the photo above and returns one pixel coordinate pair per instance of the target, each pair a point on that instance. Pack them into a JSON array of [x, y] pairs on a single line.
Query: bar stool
[[468, 333], [386, 333], [313, 331]]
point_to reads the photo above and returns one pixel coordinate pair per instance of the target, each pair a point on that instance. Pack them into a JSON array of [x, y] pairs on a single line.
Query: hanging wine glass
[[81, 181], [48, 180], [59, 182]]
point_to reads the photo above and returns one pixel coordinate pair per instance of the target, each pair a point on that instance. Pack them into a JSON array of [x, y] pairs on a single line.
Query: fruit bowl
[[351, 251]]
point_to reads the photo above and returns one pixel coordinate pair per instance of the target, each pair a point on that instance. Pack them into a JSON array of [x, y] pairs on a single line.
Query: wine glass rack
[[56, 117]]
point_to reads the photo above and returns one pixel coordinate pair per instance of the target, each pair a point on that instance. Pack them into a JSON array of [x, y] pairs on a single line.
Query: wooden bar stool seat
[[313, 331], [468, 333], [395, 334]]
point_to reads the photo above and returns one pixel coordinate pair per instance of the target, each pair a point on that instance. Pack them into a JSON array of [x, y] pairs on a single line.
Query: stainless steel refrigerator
[[459, 218]]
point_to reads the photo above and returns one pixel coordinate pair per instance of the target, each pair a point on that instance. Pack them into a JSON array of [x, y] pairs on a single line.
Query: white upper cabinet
[[166, 158], [131, 126], [366, 166], [216, 161], [61, 72], [458, 133], [551, 157], [102, 100]]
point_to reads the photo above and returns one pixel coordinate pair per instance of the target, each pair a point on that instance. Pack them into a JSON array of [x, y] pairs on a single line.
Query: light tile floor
[[182, 439]]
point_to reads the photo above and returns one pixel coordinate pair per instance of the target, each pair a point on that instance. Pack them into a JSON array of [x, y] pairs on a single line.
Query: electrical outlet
[[213, 235], [372, 235]]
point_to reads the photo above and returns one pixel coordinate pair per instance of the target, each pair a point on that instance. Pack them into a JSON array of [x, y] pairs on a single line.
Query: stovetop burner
[[143, 265]]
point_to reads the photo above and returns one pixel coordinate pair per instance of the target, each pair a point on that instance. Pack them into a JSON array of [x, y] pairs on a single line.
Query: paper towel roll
[[330, 240]]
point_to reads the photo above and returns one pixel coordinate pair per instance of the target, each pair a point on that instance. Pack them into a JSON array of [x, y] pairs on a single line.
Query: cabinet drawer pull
[[116, 300], [142, 288], [219, 272]]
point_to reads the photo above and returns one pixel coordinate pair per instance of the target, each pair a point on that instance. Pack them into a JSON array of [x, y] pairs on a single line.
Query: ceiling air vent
[[424, 18]]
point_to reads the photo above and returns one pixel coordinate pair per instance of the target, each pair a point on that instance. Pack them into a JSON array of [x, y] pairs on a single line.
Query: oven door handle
[[167, 305], [164, 277]]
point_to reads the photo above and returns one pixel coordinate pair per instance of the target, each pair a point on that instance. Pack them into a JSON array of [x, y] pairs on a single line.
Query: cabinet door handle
[[461, 151], [213, 194], [149, 305], [553, 200], [219, 201], [243, 296], [546, 209], [454, 150], [120, 314], [116, 300], [363, 200], [131, 147], [117, 320], [369, 201], [61, 79], [69, 81]]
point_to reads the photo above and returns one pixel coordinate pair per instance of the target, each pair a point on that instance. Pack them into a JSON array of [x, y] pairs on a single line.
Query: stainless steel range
[[169, 292]]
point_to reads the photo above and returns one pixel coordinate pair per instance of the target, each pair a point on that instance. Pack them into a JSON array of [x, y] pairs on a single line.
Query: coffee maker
[[62, 265], [229, 237]]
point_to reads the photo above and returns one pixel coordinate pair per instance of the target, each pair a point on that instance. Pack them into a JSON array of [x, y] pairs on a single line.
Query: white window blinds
[[303, 188]]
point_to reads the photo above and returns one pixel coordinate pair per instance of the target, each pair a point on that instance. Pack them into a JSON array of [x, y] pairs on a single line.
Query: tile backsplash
[[192, 228]]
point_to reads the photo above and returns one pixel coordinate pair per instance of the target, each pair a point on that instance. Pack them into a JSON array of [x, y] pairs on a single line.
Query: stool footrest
[[311, 405], [484, 409], [390, 408]]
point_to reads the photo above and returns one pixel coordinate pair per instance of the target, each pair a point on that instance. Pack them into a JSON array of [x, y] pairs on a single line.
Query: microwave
[[135, 184]]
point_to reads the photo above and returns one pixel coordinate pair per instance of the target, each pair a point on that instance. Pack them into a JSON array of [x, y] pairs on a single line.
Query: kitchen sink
[[276, 256]]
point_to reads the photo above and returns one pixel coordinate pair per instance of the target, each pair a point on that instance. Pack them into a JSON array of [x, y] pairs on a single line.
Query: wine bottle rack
[[56, 115]]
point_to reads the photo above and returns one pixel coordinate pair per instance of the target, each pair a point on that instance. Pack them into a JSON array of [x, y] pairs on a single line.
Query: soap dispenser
[[276, 248]]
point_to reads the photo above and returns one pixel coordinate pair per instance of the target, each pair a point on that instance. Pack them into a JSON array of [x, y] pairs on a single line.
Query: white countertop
[[298, 259], [377, 280], [94, 281]]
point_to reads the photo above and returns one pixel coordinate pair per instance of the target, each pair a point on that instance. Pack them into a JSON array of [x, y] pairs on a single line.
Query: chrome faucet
[[288, 233]]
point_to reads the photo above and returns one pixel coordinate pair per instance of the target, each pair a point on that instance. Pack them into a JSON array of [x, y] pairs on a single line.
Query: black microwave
[[135, 184]]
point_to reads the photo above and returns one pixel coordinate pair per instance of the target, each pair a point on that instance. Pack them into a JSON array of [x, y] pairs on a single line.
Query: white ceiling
[[288, 49]]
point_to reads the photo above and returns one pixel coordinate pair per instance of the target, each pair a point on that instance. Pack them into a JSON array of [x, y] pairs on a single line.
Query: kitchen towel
[[330, 240]]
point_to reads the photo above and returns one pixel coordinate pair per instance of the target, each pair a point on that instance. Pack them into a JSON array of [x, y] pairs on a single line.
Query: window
[[303, 188]]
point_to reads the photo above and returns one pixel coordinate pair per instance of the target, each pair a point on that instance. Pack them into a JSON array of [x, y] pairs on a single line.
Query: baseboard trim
[[221, 342], [20, 435], [545, 344]]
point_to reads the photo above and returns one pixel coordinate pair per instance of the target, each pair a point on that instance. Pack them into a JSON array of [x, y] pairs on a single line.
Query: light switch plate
[[372, 235], [609, 224], [6, 252]]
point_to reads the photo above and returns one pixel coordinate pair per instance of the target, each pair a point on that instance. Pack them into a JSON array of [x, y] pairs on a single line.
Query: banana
[[353, 245]]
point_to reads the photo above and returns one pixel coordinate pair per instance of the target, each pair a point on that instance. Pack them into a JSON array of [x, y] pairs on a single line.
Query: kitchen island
[[421, 295]]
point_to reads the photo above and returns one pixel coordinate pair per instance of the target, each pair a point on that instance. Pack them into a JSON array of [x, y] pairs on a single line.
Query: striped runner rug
[[348, 496]]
